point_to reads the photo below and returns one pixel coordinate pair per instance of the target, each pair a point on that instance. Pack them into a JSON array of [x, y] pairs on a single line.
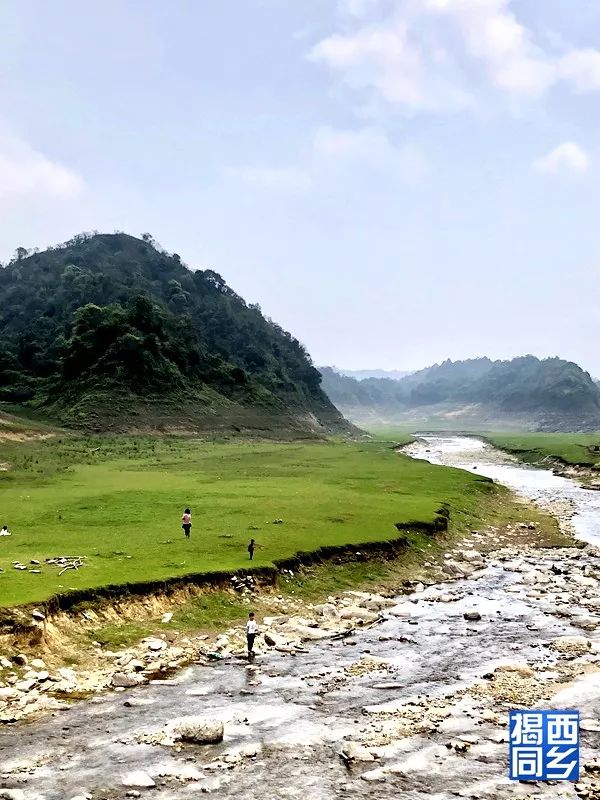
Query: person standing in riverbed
[[251, 632], [186, 522]]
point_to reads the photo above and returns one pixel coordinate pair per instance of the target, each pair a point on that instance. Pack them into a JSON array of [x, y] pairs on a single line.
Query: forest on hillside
[[112, 310]]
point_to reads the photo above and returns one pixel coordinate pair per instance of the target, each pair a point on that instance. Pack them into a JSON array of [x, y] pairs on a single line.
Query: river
[[292, 718]]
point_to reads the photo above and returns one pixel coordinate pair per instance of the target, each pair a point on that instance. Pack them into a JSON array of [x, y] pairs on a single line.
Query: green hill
[[108, 331], [549, 394]]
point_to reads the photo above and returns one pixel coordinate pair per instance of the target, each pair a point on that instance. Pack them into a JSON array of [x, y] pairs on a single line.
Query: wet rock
[[123, 680], [138, 778], [405, 610], [198, 730], [472, 616]]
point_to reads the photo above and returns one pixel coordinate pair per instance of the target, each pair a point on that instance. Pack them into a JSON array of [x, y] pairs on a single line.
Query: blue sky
[[394, 181]]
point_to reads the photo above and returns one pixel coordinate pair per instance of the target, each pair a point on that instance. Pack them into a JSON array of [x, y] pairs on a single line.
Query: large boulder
[[197, 730]]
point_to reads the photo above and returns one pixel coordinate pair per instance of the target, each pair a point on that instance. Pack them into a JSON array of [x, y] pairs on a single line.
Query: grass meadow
[[118, 501], [572, 448]]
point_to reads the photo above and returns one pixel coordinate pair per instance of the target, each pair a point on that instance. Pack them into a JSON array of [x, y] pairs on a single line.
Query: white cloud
[[568, 157], [357, 8], [435, 54], [373, 147], [281, 179], [582, 69], [26, 172]]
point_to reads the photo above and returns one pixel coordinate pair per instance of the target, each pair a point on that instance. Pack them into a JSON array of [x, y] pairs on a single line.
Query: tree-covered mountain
[[550, 392], [108, 329]]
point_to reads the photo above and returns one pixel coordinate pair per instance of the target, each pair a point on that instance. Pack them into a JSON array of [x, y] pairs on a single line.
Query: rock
[[571, 645], [472, 556], [37, 615], [37, 663], [155, 644], [198, 730], [124, 681], [138, 778], [472, 616], [327, 610], [405, 610], [25, 686], [12, 794], [166, 618], [20, 660], [353, 751], [457, 570], [358, 613], [270, 640]]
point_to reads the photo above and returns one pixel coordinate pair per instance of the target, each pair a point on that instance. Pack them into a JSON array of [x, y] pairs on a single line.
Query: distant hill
[[549, 394], [108, 331], [361, 374]]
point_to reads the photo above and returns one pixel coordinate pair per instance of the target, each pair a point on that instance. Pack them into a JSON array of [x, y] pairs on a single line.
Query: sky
[[396, 182]]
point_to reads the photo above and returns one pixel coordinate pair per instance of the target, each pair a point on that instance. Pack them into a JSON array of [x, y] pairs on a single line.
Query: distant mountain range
[[361, 374], [526, 392]]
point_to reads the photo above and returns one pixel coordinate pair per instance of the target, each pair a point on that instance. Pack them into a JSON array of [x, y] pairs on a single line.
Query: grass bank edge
[[570, 449]]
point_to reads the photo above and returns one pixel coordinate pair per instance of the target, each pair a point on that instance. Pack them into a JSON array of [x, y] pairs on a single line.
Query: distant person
[[251, 631], [5, 531], [251, 547], [186, 522]]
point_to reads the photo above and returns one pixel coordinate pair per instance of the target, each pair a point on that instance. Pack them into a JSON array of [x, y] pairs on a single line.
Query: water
[[540, 485], [305, 705]]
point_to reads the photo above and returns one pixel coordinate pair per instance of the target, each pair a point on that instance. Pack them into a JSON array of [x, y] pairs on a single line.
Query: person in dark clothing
[[251, 547], [251, 631], [186, 522]]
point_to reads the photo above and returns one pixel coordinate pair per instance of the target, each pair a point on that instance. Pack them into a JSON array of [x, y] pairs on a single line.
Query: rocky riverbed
[[362, 696]]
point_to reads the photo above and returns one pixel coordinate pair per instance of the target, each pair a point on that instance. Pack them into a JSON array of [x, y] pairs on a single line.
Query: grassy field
[[118, 501], [572, 448]]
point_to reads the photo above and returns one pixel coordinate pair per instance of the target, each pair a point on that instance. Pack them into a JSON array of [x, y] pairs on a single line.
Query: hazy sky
[[394, 181]]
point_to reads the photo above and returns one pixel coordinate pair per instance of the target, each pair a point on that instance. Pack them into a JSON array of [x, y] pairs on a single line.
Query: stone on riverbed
[[457, 569], [197, 730], [353, 751], [571, 645], [138, 778], [124, 681]]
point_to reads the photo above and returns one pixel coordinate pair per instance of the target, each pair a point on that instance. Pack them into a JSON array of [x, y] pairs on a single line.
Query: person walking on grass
[[251, 632], [251, 547], [186, 522]]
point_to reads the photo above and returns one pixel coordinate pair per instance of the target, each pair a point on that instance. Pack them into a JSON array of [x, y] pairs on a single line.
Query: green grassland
[[572, 448], [118, 501]]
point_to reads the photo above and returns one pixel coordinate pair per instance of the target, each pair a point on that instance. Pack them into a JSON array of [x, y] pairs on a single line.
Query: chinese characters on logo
[[544, 745]]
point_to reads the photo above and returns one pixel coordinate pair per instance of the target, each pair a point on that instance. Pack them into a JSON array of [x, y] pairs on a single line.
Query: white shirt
[[252, 626]]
